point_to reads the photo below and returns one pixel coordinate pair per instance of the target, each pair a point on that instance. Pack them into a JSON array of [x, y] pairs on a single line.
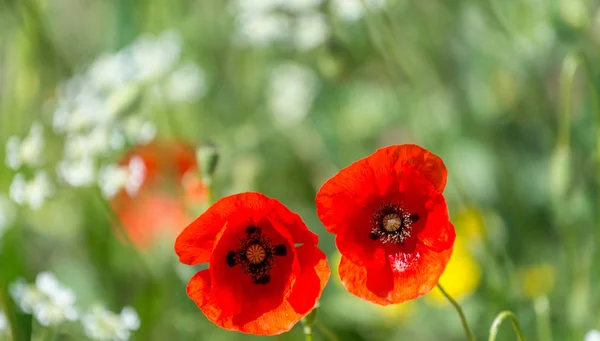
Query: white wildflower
[[111, 71], [81, 107], [32, 192], [352, 10], [130, 318], [262, 29], [94, 143], [311, 31], [295, 22], [27, 151], [301, 5], [113, 178], [47, 300], [139, 131], [186, 84], [292, 90], [103, 325], [94, 109], [147, 133], [78, 172], [116, 139], [255, 6], [120, 99], [592, 335], [154, 57]]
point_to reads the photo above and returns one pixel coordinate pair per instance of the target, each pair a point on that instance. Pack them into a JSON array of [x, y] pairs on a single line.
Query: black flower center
[[256, 255], [392, 224]]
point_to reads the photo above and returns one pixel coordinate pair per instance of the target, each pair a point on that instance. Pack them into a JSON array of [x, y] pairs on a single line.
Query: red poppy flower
[[170, 184], [391, 223], [265, 271]]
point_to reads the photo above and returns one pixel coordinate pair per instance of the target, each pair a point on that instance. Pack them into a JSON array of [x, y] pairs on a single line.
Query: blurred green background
[[504, 91]]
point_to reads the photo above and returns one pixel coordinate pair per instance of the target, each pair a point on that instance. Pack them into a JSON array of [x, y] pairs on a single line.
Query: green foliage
[[476, 82]]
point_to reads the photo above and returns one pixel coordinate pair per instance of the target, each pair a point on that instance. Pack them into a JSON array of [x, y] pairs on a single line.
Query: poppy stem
[[308, 322], [308, 333], [460, 312], [498, 321]]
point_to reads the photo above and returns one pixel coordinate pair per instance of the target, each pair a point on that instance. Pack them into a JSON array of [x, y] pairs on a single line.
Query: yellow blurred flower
[[469, 224], [536, 280], [462, 274]]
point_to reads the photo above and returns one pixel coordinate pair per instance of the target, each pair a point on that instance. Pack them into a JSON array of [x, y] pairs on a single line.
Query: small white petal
[[352, 10], [292, 89], [39, 190], [17, 190], [186, 84], [261, 30], [112, 179], [136, 175], [130, 318], [155, 57], [311, 31], [147, 133], [301, 5], [47, 283], [77, 173], [592, 335]]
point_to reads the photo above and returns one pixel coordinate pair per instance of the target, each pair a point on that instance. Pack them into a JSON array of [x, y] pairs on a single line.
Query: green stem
[[460, 312], [542, 314], [498, 321], [572, 62], [308, 322], [567, 77], [308, 333], [327, 332]]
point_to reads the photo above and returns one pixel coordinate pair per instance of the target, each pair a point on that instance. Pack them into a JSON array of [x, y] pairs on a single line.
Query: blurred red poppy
[[391, 223], [265, 271], [170, 184]]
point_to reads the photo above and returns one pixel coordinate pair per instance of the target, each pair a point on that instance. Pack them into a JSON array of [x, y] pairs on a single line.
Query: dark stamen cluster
[[391, 224], [255, 255]]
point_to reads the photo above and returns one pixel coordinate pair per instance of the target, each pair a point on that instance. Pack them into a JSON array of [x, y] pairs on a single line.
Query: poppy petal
[[377, 176], [281, 318], [438, 233], [311, 281], [199, 290], [411, 275], [146, 218], [411, 156], [347, 192], [307, 291], [194, 245], [293, 222]]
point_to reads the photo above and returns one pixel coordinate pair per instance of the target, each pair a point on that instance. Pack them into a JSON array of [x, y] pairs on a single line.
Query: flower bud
[[207, 156]]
